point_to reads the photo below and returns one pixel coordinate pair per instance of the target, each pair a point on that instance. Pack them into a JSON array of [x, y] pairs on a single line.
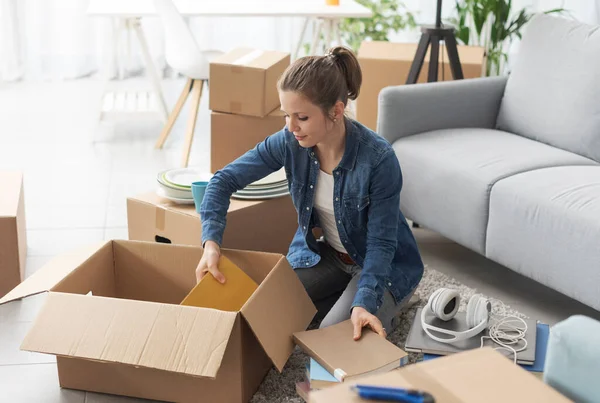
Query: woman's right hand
[[209, 263]]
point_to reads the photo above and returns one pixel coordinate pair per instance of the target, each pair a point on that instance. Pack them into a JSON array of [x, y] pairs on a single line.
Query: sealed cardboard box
[[231, 135], [132, 337], [475, 376], [385, 64], [13, 239], [263, 225], [244, 81]]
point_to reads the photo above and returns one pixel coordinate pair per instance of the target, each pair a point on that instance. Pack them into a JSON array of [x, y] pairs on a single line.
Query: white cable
[[505, 331]]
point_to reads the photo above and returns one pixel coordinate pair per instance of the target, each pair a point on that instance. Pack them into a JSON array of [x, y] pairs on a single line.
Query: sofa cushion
[[545, 224], [448, 175], [552, 92]]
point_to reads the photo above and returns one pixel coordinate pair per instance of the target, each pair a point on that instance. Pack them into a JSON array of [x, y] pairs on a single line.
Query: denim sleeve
[[267, 157], [382, 226]]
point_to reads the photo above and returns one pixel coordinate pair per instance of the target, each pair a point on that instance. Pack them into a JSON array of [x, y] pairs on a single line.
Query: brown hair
[[324, 80]]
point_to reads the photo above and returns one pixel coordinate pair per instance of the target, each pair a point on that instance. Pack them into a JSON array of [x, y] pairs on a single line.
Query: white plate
[[271, 179], [264, 192], [176, 193], [259, 197], [185, 176], [161, 193]]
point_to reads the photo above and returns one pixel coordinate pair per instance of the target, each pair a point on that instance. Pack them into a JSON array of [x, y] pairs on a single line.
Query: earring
[[335, 119]]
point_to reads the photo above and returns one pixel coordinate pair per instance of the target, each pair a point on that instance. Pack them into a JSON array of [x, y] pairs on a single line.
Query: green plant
[[389, 16], [491, 24]]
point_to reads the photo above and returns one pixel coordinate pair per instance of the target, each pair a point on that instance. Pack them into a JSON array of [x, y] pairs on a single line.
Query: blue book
[[541, 345], [319, 377]]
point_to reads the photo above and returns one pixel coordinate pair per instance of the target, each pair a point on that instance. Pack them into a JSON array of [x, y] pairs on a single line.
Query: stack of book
[[335, 357]]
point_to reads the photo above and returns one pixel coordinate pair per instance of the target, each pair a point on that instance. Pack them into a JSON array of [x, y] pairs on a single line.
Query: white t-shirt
[[324, 209]]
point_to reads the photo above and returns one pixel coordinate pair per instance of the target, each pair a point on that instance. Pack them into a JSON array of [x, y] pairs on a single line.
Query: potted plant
[[492, 24], [389, 16]]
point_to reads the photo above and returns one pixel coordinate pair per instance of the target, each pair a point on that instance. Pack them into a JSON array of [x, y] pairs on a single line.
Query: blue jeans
[[332, 284]]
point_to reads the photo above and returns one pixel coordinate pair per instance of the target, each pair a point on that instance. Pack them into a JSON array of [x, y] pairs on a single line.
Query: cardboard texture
[[244, 81], [335, 349], [233, 135], [481, 375], [132, 336], [386, 64], [13, 239], [231, 296], [264, 225]]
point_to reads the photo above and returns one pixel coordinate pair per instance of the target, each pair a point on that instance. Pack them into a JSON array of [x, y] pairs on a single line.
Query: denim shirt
[[366, 200]]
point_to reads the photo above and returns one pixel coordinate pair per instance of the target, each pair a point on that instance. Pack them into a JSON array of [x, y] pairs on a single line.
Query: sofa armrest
[[405, 110]]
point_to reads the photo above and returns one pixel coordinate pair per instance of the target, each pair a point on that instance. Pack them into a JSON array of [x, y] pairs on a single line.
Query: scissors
[[393, 394]]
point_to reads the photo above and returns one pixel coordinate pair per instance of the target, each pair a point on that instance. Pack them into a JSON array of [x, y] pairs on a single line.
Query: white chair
[[183, 54]]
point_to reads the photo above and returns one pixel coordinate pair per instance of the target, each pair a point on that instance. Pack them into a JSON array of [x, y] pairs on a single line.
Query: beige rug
[[281, 387]]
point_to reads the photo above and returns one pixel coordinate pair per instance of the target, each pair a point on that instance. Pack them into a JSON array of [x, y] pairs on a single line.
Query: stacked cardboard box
[[261, 225], [13, 240], [244, 101], [385, 64]]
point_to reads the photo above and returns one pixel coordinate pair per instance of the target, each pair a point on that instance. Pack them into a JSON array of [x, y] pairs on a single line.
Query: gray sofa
[[510, 166]]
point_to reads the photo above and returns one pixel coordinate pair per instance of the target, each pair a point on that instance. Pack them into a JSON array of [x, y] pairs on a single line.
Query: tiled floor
[[75, 192]]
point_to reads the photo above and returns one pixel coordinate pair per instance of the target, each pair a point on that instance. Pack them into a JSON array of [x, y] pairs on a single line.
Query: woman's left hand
[[361, 318]]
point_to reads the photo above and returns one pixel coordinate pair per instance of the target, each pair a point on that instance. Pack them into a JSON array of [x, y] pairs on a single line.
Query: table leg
[[299, 45], [162, 106], [336, 26], [316, 36], [328, 29]]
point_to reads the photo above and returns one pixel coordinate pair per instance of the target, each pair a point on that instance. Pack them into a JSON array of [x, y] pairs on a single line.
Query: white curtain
[[56, 39]]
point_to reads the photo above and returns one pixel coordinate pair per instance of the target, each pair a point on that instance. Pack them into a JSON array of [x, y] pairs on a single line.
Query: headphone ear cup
[[478, 310], [444, 303]]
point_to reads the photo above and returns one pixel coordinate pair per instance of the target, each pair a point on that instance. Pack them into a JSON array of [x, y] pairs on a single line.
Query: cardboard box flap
[[167, 337], [466, 377], [11, 184], [278, 309], [52, 272]]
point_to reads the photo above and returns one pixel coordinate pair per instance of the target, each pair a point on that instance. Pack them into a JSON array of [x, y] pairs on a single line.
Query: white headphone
[[444, 304]]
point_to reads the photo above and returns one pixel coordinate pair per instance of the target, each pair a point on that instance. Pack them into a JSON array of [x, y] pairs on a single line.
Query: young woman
[[344, 179]]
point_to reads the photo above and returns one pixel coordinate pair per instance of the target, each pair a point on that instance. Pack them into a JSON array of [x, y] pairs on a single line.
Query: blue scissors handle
[[393, 394]]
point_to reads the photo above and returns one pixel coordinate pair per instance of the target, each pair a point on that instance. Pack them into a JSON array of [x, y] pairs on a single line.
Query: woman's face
[[305, 119]]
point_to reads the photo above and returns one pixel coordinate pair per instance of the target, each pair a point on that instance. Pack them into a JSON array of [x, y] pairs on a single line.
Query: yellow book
[[231, 296]]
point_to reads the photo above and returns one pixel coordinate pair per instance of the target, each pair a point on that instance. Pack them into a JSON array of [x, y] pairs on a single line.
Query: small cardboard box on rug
[[13, 239], [133, 337], [475, 376], [385, 64], [244, 81], [232, 135], [262, 225]]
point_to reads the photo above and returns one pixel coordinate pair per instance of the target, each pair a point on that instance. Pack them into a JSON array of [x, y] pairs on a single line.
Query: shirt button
[[337, 172], [389, 284], [337, 199], [354, 255], [311, 186], [308, 208], [316, 162], [308, 264], [304, 227], [339, 221]]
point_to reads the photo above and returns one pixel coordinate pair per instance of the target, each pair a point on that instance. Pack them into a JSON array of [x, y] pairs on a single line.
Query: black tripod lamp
[[432, 35]]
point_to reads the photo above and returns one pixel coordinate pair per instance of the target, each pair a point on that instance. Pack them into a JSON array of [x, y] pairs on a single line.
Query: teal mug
[[198, 190]]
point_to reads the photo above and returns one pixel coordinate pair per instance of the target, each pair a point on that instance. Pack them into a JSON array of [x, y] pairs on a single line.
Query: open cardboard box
[[132, 337]]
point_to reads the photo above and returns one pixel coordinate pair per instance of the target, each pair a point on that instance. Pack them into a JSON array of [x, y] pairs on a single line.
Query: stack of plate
[[176, 184], [270, 187]]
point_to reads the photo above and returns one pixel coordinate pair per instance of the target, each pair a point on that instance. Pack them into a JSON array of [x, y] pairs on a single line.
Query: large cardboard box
[[385, 64], [13, 239], [475, 376], [244, 81], [264, 225], [232, 135], [132, 336]]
